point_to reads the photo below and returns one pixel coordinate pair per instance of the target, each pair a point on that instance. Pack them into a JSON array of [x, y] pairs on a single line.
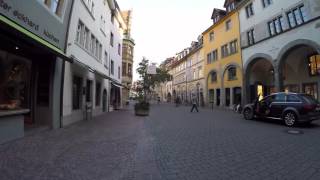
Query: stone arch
[[294, 69], [294, 44], [247, 94], [254, 58], [228, 66]]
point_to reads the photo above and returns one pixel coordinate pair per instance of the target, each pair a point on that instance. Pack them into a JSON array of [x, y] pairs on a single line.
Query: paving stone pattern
[[170, 144]]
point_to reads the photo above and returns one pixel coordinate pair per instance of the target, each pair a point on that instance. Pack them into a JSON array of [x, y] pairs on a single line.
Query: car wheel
[[289, 118], [248, 114]]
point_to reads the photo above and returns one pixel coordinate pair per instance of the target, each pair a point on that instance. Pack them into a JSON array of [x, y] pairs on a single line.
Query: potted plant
[[146, 84], [142, 108]]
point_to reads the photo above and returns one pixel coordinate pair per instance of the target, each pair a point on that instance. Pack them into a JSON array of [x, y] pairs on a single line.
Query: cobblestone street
[[170, 144]]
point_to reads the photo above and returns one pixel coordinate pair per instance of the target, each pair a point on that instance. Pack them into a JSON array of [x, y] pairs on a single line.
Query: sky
[[162, 28]]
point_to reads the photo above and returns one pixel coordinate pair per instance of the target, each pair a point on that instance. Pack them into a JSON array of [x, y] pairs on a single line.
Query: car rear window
[[309, 99]]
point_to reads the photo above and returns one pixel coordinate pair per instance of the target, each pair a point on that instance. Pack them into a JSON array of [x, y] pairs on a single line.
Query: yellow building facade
[[223, 64]]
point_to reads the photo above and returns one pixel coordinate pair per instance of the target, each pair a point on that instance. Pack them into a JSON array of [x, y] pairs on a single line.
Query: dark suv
[[288, 107]]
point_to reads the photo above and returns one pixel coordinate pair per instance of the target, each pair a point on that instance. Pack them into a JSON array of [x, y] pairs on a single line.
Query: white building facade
[[92, 82], [280, 46]]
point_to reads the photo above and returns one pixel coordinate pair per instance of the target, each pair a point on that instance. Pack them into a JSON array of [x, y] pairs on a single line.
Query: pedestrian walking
[[194, 104]]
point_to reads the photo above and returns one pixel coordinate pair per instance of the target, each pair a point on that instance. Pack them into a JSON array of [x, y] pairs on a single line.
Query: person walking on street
[[194, 104]]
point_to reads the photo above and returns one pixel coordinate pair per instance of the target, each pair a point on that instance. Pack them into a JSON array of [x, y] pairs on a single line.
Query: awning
[[81, 64], [34, 37], [116, 84]]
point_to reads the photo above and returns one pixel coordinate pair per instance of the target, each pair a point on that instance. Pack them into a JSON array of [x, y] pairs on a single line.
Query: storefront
[[31, 61], [115, 96]]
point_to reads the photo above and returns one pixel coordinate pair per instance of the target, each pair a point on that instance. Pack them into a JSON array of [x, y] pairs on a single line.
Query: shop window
[[232, 73], [98, 94], [14, 84], [76, 92], [311, 89], [314, 65]]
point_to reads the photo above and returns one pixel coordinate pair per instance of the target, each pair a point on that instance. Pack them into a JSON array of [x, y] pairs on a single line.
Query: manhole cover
[[293, 131]]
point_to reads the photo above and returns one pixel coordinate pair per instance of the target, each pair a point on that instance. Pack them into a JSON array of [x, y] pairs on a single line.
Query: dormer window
[[230, 7]]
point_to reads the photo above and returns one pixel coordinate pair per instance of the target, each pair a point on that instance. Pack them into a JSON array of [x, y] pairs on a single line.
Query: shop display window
[[314, 65], [14, 82], [311, 89]]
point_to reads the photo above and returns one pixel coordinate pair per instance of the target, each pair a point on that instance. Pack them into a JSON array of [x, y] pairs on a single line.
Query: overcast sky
[[161, 28]]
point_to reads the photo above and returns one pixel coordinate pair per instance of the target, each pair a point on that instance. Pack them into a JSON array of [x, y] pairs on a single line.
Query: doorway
[[104, 100]]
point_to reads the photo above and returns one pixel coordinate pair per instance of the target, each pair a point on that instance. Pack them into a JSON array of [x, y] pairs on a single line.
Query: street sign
[[152, 69]]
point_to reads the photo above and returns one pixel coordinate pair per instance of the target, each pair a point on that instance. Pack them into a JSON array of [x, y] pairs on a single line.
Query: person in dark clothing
[[194, 104]]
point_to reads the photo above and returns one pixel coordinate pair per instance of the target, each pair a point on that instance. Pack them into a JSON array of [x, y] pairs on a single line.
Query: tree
[[150, 80]]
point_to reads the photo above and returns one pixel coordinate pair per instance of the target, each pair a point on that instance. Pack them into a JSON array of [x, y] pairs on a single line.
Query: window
[[92, 8], [98, 94], [79, 30], [230, 7], [86, 37], [276, 26], [76, 92], [211, 36], [119, 49], [112, 67], [314, 65], [215, 55], [228, 25], [292, 98], [124, 67], [233, 47], [96, 52], [213, 77], [129, 70], [249, 10], [251, 38], [111, 39], [119, 72], [224, 51], [102, 23], [200, 72], [100, 53], [297, 16], [55, 6], [232, 73], [211, 57], [280, 98], [106, 60], [92, 44], [88, 91], [266, 3]]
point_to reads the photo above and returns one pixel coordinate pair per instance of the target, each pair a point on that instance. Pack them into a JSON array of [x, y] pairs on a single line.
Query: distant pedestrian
[[194, 104], [177, 101], [158, 100]]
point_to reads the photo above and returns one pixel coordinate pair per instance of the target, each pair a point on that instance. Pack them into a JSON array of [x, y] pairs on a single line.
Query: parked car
[[291, 108]]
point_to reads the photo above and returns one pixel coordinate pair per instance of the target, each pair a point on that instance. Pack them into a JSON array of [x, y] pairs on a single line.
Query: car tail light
[[308, 107]]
